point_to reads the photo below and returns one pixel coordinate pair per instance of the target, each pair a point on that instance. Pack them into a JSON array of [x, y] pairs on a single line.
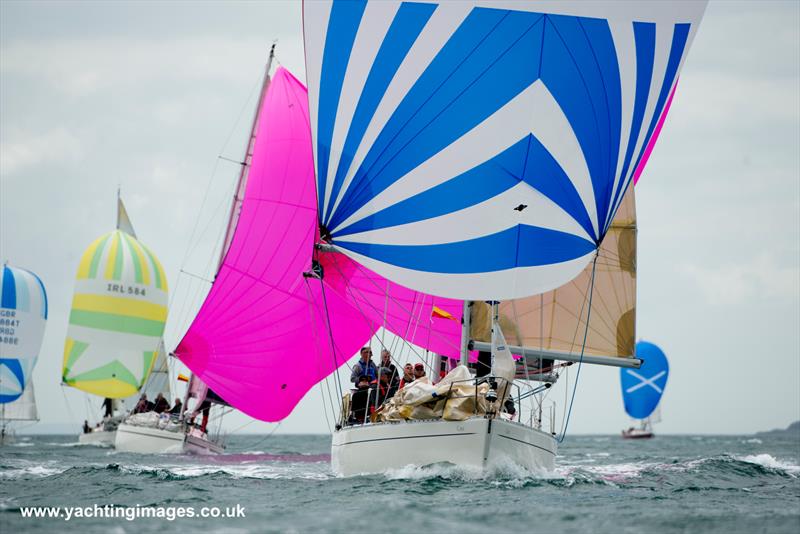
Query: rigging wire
[[333, 345], [361, 311], [195, 238], [262, 440], [580, 362], [315, 339]]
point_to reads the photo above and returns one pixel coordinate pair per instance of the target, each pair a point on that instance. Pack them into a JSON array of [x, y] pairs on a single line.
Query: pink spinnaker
[[261, 339], [266, 333]]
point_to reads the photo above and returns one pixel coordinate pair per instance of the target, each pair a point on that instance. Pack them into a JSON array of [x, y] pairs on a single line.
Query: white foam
[[244, 470], [770, 462], [31, 470], [502, 472]]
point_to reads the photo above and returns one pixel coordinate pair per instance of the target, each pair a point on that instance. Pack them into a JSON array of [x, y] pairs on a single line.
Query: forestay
[[480, 150]]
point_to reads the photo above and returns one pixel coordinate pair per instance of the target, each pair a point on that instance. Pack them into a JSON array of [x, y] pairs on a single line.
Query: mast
[[495, 317], [466, 320], [238, 196]]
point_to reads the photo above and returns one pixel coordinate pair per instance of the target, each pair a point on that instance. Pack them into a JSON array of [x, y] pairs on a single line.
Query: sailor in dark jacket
[[360, 400]]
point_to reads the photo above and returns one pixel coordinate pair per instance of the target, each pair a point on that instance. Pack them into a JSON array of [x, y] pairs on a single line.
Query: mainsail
[[117, 319], [642, 388], [23, 314], [556, 321], [444, 166]]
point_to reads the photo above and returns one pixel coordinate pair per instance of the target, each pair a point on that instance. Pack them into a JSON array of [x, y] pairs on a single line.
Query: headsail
[[269, 330], [117, 319], [22, 409], [642, 388], [480, 150], [23, 314], [158, 381]]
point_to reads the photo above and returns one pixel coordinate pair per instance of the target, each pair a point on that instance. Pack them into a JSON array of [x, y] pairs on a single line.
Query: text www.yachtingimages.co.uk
[[131, 513]]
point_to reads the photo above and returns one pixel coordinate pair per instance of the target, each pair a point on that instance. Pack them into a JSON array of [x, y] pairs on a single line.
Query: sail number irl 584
[[126, 290]]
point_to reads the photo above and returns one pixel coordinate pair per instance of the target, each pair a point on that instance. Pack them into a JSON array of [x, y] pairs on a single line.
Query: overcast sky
[[146, 96]]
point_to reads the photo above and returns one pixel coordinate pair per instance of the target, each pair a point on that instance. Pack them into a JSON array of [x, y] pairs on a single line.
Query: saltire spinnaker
[[446, 166], [642, 388], [118, 313], [23, 315]]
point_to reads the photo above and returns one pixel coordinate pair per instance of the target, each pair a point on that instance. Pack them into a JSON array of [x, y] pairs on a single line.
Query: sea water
[[692, 484]]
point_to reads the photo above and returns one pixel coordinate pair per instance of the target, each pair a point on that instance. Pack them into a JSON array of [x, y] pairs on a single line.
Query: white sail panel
[[158, 381], [411, 140], [22, 409], [123, 221]]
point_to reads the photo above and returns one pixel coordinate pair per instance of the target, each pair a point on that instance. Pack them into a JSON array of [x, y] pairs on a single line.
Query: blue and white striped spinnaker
[[479, 149], [23, 313]]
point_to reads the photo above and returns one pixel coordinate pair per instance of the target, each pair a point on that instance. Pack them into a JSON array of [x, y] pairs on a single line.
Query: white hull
[[477, 442], [147, 440], [104, 438]]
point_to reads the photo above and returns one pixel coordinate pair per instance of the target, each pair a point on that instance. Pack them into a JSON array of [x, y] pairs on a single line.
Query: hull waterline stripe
[[151, 435], [408, 437]]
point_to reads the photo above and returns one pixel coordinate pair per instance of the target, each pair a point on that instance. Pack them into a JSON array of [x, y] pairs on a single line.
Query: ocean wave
[[34, 471], [503, 473], [709, 468], [194, 471], [770, 462], [79, 444]]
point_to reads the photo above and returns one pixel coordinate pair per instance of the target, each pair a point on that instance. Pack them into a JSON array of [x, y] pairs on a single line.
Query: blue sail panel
[[642, 388]]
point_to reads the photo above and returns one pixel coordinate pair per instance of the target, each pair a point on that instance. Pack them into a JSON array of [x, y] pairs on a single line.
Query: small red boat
[[637, 433]]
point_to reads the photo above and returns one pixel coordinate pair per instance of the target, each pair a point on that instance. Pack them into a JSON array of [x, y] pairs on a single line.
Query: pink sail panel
[[264, 336], [654, 138], [407, 313]]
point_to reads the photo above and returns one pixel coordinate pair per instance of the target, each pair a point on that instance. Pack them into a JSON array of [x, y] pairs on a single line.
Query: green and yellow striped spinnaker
[[117, 319]]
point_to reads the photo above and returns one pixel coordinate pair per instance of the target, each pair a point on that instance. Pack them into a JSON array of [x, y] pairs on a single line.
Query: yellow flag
[[438, 312]]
